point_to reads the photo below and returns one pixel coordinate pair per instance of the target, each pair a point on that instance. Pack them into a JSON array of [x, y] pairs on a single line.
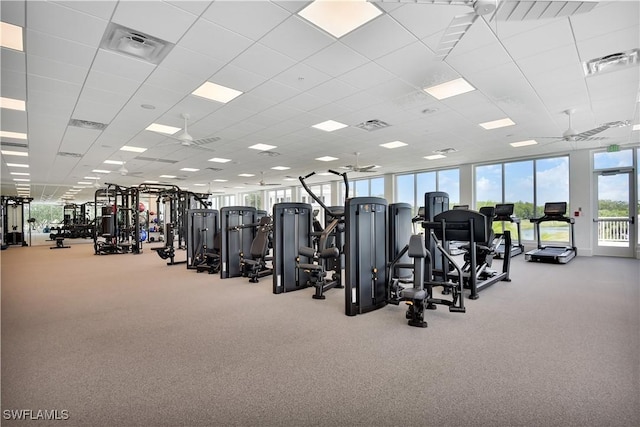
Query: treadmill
[[553, 211], [504, 213]]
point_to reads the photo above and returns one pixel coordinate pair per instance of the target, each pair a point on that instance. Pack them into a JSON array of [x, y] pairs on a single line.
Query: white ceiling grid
[[294, 75]]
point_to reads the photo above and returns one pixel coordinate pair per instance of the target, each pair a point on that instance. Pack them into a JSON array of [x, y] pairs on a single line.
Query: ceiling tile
[[67, 51], [297, 39], [212, 40], [378, 37], [256, 18], [60, 21]]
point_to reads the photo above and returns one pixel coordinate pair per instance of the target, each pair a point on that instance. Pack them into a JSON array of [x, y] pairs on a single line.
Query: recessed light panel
[[247, 175], [190, 169], [21, 179], [12, 104], [263, 147], [449, 89], [100, 171], [497, 124], [157, 127], [219, 160], [11, 36], [20, 173], [220, 180], [133, 149], [524, 143], [435, 157], [167, 176], [17, 165], [636, 127], [14, 135], [114, 162], [280, 168], [216, 92], [326, 158], [329, 126], [339, 17], [393, 144], [15, 153]]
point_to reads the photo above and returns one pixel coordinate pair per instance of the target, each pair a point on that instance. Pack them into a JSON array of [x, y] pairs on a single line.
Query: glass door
[[614, 221]]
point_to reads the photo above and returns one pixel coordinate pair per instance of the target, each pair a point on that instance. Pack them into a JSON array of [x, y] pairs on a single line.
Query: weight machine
[[292, 228], [13, 220], [327, 254], [237, 227], [117, 228]]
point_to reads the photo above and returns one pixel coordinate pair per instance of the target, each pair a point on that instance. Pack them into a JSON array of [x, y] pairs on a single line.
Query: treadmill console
[[555, 208], [504, 210]]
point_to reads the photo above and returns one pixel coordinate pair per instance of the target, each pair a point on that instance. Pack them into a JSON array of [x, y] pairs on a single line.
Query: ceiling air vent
[[611, 62], [151, 159], [14, 144], [371, 125], [214, 169], [135, 44], [269, 153], [445, 150], [86, 124], [203, 141], [67, 154]]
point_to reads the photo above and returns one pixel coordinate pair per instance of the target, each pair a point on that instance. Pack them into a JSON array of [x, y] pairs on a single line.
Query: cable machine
[[13, 220]]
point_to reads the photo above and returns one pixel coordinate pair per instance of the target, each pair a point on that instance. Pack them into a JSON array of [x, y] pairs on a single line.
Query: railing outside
[[613, 229]]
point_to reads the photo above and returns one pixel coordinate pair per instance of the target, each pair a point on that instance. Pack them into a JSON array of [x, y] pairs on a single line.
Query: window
[[619, 159], [517, 183], [410, 188], [278, 196], [373, 187], [253, 199]]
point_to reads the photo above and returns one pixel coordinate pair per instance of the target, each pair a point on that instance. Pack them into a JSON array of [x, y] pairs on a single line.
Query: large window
[[373, 187], [278, 196], [410, 188], [528, 184], [252, 199]]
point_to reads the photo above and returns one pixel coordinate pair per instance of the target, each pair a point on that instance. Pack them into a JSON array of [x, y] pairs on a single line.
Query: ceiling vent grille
[[203, 141], [151, 159], [86, 124], [371, 125], [14, 144], [269, 153], [214, 169], [445, 150], [611, 62], [67, 154], [135, 44]]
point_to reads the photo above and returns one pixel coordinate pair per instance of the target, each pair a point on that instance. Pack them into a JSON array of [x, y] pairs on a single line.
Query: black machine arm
[[333, 212]]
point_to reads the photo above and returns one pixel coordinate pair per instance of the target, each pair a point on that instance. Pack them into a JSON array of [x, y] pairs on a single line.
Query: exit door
[[615, 221]]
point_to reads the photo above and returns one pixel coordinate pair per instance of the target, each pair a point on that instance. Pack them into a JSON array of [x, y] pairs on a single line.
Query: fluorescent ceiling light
[[449, 89], [21, 179], [325, 173], [167, 176], [280, 168], [200, 185], [329, 126], [157, 127], [523, 143], [326, 158], [100, 171], [85, 182], [339, 17], [246, 174], [216, 92], [11, 36], [114, 162], [263, 147], [12, 104], [91, 177], [14, 135], [219, 160], [190, 169], [636, 127], [289, 179], [435, 157], [17, 165], [150, 181], [133, 149], [20, 173], [239, 186], [393, 144], [15, 153], [220, 180], [497, 124]]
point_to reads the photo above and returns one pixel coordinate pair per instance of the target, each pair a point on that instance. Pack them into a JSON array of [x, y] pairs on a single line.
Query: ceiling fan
[[123, 171], [572, 135], [357, 167], [261, 183], [504, 10], [186, 140]]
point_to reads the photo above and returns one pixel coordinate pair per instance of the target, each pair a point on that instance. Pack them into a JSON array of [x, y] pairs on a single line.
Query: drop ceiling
[[294, 75]]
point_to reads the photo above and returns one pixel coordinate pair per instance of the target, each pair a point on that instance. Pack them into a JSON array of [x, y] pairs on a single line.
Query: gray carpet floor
[[125, 340]]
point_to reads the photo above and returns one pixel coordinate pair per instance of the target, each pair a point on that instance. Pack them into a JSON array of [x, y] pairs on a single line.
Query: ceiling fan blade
[[455, 31]]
